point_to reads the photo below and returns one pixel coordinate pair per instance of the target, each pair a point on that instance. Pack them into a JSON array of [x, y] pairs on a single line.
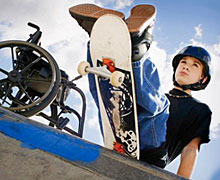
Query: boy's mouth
[[183, 73]]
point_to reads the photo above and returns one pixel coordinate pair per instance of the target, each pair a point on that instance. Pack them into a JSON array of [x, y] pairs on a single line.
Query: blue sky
[[178, 24]]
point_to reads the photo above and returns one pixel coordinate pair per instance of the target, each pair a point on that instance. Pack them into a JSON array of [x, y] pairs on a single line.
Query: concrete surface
[[31, 150]]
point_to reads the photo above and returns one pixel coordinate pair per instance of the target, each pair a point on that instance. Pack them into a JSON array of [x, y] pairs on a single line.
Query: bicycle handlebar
[[34, 26], [34, 38]]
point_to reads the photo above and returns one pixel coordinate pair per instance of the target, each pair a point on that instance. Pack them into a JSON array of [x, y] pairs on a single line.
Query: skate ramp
[[31, 150]]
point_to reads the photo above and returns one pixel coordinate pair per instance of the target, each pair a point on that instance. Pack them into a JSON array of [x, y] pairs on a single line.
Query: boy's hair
[[203, 56]]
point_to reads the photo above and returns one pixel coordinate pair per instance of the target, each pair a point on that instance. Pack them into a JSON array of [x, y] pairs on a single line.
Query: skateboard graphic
[[110, 48]]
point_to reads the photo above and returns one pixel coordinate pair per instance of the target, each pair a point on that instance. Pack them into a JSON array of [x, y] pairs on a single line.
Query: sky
[[178, 23]]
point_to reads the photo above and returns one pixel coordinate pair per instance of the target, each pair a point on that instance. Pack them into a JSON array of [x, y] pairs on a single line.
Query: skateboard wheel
[[82, 68], [117, 78]]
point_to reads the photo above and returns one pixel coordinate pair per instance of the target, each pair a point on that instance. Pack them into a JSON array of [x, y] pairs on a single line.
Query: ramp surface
[[31, 150]]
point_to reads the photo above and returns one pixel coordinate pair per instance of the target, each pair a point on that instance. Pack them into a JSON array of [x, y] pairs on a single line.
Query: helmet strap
[[194, 87]]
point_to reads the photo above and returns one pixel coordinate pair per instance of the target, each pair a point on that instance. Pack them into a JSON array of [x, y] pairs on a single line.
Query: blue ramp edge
[[76, 151], [45, 139]]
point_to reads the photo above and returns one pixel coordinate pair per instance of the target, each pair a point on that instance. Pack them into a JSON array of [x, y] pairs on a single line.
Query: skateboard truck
[[106, 71], [109, 63]]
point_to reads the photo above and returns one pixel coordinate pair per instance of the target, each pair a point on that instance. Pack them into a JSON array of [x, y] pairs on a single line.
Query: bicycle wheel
[[29, 77]]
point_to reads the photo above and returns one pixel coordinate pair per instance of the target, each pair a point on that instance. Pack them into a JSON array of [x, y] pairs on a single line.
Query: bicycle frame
[[64, 85]]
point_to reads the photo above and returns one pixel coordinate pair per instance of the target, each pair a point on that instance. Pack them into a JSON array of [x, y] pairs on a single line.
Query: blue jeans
[[152, 103]]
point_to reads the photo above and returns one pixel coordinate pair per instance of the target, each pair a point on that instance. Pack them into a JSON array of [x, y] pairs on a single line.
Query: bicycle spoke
[[31, 64], [15, 100], [3, 71], [3, 80], [25, 92], [5, 102], [7, 92], [13, 58]]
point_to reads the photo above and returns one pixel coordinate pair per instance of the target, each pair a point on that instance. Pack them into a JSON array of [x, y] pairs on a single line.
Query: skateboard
[[110, 48]]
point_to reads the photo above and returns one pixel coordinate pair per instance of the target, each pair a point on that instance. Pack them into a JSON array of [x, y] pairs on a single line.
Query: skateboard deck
[[110, 46]]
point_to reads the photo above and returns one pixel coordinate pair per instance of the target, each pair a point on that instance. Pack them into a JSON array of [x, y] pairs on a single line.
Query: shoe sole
[[91, 12], [141, 17]]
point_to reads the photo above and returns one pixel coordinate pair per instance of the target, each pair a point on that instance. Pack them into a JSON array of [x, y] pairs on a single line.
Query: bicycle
[[34, 82]]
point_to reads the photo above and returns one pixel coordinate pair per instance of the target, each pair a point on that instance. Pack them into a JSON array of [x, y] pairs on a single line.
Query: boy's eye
[[183, 61], [196, 65]]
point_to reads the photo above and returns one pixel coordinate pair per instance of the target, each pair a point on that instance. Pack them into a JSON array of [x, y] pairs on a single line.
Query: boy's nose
[[186, 67]]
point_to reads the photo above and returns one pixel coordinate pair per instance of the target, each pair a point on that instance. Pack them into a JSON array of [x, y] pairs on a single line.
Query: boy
[[169, 124]]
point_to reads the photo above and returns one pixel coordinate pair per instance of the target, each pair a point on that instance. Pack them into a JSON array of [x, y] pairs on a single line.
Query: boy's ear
[[204, 80]]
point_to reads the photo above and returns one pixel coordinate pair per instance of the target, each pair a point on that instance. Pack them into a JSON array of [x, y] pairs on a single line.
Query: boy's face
[[189, 71]]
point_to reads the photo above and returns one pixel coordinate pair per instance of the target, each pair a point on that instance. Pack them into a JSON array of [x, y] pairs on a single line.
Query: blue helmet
[[203, 56]]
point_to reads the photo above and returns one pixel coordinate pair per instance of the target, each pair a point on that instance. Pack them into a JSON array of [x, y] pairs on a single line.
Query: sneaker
[[142, 17], [140, 24], [87, 14]]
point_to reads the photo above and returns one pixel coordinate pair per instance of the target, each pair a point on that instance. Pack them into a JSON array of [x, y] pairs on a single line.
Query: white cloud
[[120, 4], [116, 4], [161, 60], [198, 30], [93, 123]]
